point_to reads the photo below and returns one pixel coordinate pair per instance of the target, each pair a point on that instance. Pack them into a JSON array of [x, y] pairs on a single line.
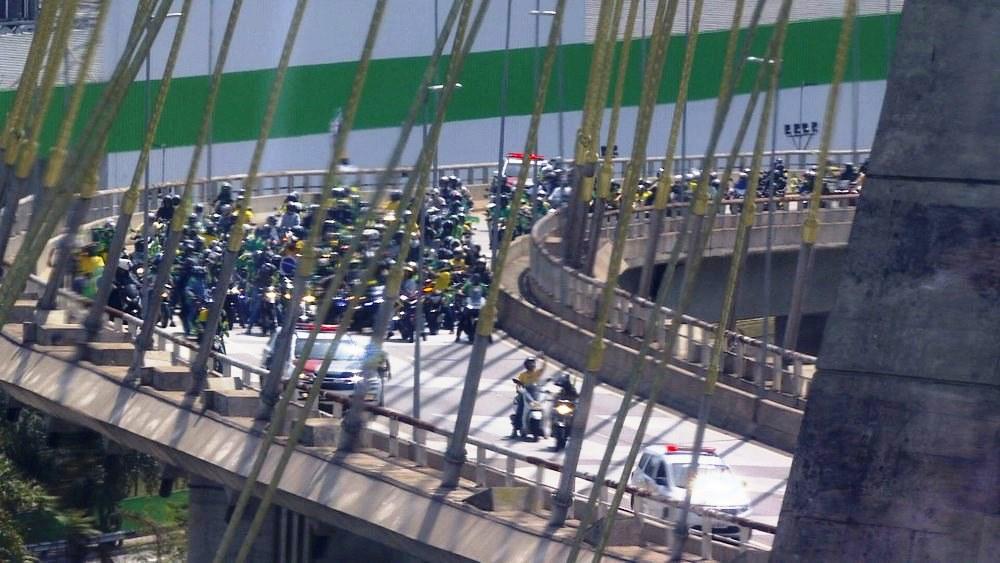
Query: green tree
[[86, 474], [17, 495]]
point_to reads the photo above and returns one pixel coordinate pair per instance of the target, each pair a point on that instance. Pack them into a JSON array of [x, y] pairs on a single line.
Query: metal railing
[[482, 172], [779, 371], [107, 202]]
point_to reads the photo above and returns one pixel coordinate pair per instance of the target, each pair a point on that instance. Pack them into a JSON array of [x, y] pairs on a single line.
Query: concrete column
[[207, 510], [897, 458]]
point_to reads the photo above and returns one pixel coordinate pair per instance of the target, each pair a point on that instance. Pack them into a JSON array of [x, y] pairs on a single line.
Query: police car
[[512, 164], [663, 473], [346, 368]]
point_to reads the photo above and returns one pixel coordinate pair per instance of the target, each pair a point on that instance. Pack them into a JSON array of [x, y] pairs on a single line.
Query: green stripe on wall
[[312, 93]]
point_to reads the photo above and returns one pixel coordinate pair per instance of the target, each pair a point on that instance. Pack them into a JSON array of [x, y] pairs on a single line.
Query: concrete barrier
[[733, 409]]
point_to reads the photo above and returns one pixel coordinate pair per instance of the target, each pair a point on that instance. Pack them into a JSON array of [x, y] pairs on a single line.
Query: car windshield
[[706, 473], [347, 350]]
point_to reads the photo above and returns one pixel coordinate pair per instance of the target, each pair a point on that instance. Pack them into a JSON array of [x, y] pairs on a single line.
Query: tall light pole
[[145, 192], [211, 68], [504, 85], [418, 329], [684, 120], [765, 336], [559, 74]]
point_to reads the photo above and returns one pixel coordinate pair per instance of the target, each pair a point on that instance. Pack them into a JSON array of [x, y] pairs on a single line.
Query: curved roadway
[[443, 366]]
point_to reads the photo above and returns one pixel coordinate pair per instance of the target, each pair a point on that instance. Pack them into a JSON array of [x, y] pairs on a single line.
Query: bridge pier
[[897, 457], [207, 511]]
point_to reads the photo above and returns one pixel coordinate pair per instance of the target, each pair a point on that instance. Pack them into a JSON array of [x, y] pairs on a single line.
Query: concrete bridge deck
[[387, 499], [177, 432]]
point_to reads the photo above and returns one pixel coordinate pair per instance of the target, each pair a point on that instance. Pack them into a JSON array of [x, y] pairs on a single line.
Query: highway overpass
[[498, 460]]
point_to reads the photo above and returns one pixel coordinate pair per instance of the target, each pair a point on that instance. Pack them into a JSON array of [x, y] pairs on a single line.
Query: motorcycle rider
[[567, 391], [532, 375], [225, 196], [472, 291]]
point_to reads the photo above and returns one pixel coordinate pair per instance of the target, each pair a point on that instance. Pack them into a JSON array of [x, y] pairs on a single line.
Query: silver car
[[663, 473], [346, 367]]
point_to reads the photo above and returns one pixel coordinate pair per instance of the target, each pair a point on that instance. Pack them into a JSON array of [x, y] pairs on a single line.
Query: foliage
[[86, 474], [164, 519], [17, 495]]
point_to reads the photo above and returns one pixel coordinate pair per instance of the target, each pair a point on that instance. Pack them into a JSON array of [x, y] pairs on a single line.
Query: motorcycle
[[269, 314], [339, 306], [403, 320], [366, 312], [236, 305], [433, 306], [562, 421], [469, 317], [529, 424], [166, 308]]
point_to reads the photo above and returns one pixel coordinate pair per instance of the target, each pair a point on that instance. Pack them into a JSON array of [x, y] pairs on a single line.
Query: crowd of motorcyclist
[[444, 265], [550, 189], [444, 269]]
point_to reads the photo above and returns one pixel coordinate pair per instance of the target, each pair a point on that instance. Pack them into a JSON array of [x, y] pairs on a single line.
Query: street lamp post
[[559, 74], [684, 120], [765, 335], [504, 84], [418, 329], [145, 191]]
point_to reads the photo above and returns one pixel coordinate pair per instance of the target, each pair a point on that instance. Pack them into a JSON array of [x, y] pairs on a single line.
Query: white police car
[[512, 164], [663, 473]]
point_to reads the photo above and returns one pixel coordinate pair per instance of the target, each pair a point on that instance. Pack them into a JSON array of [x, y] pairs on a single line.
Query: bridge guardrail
[[781, 371], [107, 202]]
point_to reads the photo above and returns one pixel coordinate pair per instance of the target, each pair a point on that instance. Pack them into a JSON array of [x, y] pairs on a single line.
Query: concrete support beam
[[207, 511], [897, 456]]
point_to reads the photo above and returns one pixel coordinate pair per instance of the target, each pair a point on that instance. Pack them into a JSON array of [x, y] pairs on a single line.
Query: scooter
[[529, 425]]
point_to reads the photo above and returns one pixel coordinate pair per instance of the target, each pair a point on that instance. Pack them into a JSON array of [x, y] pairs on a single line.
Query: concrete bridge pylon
[[897, 457]]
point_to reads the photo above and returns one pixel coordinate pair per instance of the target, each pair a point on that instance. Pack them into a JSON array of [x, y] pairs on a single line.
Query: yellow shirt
[[90, 264], [443, 281], [531, 377]]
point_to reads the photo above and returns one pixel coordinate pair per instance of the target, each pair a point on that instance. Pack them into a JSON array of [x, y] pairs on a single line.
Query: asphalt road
[[444, 362], [443, 365]]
